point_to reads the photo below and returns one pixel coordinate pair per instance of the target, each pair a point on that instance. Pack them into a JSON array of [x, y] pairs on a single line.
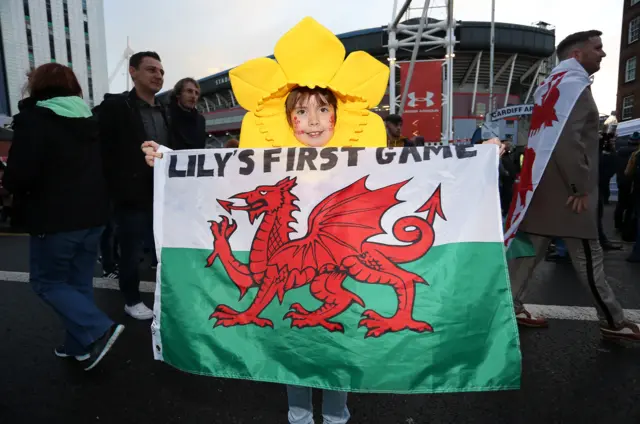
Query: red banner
[[423, 108]]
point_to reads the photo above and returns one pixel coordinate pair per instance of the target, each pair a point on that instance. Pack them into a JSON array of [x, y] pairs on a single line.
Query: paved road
[[569, 374]]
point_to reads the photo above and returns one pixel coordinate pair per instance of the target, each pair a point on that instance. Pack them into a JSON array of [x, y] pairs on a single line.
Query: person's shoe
[[61, 352], [559, 259], [525, 319], [626, 331], [103, 345], [607, 246], [112, 275], [139, 311]]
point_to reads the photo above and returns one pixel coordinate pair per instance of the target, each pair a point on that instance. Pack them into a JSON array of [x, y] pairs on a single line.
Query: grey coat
[[572, 170]]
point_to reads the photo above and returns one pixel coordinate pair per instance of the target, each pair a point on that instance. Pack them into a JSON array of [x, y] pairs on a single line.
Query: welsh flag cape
[[364, 270], [554, 100]]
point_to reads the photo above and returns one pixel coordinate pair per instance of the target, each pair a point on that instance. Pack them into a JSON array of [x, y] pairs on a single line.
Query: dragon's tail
[[434, 206], [414, 230]]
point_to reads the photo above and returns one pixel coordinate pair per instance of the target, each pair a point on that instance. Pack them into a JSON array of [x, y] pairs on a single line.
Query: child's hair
[[299, 95]]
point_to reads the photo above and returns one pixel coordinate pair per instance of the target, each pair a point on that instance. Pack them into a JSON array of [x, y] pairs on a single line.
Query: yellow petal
[[309, 54], [255, 80], [362, 76]]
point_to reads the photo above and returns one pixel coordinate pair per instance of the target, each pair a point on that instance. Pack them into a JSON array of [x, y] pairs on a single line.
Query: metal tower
[[436, 19], [124, 61]]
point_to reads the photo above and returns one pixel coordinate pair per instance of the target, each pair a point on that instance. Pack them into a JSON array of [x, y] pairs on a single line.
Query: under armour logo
[[428, 99]]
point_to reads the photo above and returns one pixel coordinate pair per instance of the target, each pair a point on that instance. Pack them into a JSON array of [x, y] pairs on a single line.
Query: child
[[288, 106], [311, 114]]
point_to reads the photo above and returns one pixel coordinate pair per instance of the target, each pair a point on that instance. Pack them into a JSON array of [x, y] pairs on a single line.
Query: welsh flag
[[363, 270], [554, 100]]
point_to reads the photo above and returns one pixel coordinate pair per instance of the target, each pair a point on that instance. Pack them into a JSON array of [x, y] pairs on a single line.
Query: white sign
[[511, 111]]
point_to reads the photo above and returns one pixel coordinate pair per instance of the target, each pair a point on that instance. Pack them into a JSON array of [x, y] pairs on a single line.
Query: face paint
[[296, 126], [313, 122]]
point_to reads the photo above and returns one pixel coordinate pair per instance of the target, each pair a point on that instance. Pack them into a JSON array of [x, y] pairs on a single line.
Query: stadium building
[[523, 57]]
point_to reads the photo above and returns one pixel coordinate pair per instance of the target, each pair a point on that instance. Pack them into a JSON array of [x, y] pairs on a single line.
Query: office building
[[628, 102], [35, 32]]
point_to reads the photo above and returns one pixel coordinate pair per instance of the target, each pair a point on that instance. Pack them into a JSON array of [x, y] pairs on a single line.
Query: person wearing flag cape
[[557, 194]]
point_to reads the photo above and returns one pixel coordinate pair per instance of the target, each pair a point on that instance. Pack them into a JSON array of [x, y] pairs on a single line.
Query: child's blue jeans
[[334, 406]]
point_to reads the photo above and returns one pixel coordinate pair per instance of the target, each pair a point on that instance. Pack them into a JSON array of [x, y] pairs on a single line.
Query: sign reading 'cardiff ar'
[[511, 111]]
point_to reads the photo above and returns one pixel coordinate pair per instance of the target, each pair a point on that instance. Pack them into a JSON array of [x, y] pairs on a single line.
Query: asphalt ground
[[570, 375]]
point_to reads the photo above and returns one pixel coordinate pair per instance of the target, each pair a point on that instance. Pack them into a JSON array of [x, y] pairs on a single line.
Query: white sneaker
[[139, 311]]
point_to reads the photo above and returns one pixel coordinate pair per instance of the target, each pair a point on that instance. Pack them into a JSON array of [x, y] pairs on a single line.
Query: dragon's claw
[[224, 229], [302, 318], [228, 317], [299, 309], [379, 325]]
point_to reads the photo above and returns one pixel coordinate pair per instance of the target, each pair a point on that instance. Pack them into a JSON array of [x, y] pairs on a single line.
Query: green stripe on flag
[[474, 346], [520, 247]]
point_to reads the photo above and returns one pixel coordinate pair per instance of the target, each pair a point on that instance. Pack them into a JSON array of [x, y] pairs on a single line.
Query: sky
[[198, 38]]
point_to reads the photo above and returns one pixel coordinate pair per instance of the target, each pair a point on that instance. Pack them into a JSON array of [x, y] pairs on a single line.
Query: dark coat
[[129, 178], [55, 173], [187, 128]]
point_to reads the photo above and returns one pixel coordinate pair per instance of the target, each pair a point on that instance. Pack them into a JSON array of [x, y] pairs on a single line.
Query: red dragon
[[335, 247], [544, 114]]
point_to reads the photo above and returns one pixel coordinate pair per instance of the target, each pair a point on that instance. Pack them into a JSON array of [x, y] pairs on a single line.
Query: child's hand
[[497, 142], [150, 150]]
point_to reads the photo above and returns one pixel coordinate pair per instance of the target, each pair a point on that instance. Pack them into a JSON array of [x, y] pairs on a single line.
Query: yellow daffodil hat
[[310, 55]]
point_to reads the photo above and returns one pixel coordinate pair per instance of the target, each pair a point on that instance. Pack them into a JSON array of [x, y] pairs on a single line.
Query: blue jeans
[[109, 247], [61, 273], [334, 406], [561, 248], [134, 229]]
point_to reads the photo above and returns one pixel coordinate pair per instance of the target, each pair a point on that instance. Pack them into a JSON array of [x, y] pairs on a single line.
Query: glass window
[[634, 2], [49, 11], [634, 30], [69, 57], [52, 49], [630, 70], [627, 107]]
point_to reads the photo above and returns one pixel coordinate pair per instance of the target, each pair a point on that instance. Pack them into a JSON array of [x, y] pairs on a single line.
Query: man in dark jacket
[[126, 121], [187, 125]]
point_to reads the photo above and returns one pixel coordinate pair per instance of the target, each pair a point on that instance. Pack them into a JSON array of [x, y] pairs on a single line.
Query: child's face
[[313, 122]]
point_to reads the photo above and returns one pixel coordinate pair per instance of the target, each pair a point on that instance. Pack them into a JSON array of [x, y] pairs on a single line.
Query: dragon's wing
[[338, 226]]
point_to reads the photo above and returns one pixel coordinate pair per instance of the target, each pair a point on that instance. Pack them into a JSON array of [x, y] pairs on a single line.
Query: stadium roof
[[530, 42]]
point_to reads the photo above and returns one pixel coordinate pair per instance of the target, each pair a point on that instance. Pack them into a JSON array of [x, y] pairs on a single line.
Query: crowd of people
[[74, 213]]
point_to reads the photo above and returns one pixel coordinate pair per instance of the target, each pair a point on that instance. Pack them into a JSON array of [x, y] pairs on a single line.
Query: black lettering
[[191, 166], [353, 155], [307, 155], [330, 155], [463, 153], [404, 156], [202, 172], [384, 158], [446, 151], [270, 157], [246, 157], [174, 172], [291, 158], [222, 162]]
